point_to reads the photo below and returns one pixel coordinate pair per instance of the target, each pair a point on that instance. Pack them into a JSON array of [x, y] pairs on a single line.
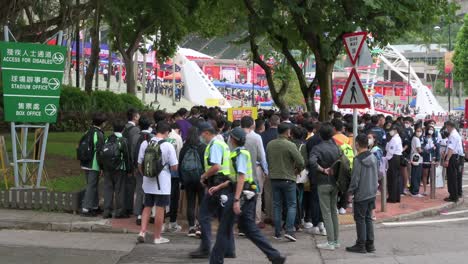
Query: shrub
[[106, 101], [131, 101], [73, 99]]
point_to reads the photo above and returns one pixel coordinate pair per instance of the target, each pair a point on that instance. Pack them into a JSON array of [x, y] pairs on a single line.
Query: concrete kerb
[[104, 226]]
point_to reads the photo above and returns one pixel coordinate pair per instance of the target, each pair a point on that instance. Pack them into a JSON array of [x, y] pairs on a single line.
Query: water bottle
[[223, 199]]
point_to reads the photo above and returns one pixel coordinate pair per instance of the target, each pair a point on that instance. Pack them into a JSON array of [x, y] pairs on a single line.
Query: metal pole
[[433, 179], [24, 152], [355, 128], [42, 157], [253, 84], [173, 80], [77, 51], [60, 38], [449, 77], [383, 194], [6, 33], [409, 83], [15, 153]]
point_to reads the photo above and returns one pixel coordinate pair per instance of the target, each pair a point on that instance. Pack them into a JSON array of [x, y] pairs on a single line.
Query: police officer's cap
[[206, 126], [238, 134]]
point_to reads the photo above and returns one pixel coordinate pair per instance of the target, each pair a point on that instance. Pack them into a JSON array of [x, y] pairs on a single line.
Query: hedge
[[76, 107]]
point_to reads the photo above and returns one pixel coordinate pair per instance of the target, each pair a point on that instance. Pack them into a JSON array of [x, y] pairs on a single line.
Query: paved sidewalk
[[409, 208]]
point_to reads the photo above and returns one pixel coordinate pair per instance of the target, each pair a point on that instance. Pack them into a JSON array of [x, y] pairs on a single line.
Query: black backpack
[[144, 136], [191, 168], [85, 149], [110, 156]]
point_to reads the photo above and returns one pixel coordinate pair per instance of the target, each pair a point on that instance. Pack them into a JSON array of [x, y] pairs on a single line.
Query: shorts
[[159, 200]]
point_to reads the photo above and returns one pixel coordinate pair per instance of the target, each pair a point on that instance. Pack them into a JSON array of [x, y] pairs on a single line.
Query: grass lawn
[[62, 167]]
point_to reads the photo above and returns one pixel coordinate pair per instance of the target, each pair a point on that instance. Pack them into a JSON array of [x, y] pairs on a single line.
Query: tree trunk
[[109, 70], [129, 73], [144, 79], [324, 70], [93, 60], [69, 57]]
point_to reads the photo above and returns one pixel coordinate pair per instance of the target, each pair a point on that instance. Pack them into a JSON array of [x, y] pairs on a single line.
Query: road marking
[[426, 222], [455, 212]]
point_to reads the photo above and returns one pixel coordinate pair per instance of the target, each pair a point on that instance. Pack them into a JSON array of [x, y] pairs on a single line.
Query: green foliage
[[106, 101], [460, 58], [131, 101], [66, 184], [73, 99]]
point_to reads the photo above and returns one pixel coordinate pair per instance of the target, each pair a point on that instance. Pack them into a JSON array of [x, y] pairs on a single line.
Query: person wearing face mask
[[453, 161], [431, 152], [378, 153], [393, 154], [406, 139], [415, 160]]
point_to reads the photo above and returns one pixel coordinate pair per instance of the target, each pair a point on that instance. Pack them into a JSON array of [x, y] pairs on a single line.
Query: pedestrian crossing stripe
[[353, 95]]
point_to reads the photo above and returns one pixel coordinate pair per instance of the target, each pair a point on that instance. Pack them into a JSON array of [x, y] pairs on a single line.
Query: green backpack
[[152, 161], [348, 152]]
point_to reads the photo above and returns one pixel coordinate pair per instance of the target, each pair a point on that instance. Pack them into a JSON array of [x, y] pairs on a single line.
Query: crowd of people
[[293, 170]]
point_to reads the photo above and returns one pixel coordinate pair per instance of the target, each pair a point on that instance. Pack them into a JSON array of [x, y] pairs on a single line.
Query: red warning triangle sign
[[353, 95], [353, 43]]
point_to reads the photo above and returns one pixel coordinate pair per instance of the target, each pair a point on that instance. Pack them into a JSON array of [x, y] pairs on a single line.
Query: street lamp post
[[253, 84]]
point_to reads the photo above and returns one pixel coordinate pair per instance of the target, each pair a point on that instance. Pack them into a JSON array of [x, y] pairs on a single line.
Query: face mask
[[407, 125], [202, 140], [392, 133], [361, 126], [418, 134], [370, 141], [430, 132]]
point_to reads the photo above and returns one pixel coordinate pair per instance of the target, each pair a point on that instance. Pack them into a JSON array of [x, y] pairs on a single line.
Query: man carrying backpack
[[132, 133], [88, 147], [145, 135], [157, 160], [364, 188], [115, 160]]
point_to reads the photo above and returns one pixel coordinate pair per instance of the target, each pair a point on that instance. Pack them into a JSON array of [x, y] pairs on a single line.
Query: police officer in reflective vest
[[218, 201], [245, 191]]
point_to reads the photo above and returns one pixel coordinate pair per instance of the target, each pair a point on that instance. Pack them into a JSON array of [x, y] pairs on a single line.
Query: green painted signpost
[[32, 76]]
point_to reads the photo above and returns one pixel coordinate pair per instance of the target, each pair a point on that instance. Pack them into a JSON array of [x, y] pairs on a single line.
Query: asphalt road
[[435, 240]]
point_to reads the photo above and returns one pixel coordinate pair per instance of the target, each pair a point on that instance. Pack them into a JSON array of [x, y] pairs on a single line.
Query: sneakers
[[326, 246], [192, 232], [315, 230], [308, 225], [337, 244], [342, 211], [241, 234], [323, 231], [291, 237], [174, 228], [277, 237], [279, 260], [141, 237], [370, 246], [417, 195], [161, 240], [357, 248]]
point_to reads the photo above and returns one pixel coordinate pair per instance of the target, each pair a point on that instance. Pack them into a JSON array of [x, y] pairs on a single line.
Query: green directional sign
[[32, 77]]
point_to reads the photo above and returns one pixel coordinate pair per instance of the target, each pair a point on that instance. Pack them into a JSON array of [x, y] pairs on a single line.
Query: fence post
[[433, 179], [383, 194]]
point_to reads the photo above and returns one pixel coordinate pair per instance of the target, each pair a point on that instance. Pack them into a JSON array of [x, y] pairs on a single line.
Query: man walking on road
[[363, 186]]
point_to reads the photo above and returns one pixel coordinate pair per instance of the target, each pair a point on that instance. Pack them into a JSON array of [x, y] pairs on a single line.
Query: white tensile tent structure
[[425, 99], [198, 88]]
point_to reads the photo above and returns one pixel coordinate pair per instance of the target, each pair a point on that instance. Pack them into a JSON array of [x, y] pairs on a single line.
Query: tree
[[460, 58], [130, 21], [36, 21], [95, 47], [323, 23]]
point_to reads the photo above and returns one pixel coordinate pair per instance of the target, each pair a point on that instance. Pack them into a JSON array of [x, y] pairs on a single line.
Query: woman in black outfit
[[393, 154], [191, 183]]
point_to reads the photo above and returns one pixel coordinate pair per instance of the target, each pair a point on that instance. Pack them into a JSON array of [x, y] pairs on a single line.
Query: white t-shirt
[[415, 143], [169, 157], [454, 142]]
